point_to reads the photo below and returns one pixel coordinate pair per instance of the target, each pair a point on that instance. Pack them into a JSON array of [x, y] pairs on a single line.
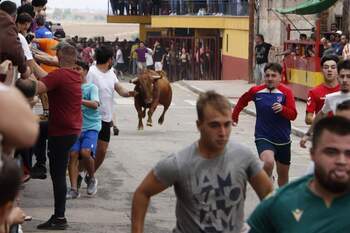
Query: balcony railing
[[178, 7]]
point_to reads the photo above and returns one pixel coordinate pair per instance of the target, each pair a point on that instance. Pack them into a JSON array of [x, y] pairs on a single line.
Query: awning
[[308, 7]]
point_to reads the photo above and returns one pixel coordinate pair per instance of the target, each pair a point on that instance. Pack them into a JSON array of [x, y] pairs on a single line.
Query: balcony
[[126, 12]]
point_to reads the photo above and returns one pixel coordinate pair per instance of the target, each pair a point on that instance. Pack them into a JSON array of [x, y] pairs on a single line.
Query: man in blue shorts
[[275, 108], [84, 148]]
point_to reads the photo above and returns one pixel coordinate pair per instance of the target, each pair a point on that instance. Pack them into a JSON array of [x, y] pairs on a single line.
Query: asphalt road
[[130, 156]]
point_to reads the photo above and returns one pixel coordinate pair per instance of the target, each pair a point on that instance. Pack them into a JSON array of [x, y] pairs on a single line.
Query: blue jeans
[[134, 66], [181, 6], [173, 6], [221, 6]]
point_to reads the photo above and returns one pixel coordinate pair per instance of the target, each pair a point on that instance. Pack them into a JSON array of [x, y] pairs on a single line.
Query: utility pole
[[251, 41], [346, 18]]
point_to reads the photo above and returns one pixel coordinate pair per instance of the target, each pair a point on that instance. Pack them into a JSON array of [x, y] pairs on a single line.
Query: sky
[[77, 4]]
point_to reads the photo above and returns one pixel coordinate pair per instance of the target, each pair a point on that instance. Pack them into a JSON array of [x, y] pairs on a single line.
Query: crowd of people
[[76, 80], [178, 60], [179, 7]]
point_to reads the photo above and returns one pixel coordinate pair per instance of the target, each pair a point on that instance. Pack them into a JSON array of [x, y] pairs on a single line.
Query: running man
[[334, 99], [104, 78], [313, 203], [318, 94], [275, 108], [85, 146], [209, 176]]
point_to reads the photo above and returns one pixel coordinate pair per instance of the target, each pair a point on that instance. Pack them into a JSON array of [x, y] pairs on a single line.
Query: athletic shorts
[[87, 140], [105, 133], [282, 152]]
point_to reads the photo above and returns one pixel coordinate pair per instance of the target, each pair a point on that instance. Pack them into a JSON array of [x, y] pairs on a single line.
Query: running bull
[[152, 89]]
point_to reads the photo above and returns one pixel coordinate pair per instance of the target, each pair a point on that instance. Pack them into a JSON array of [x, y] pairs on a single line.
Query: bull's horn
[[156, 77], [134, 80]]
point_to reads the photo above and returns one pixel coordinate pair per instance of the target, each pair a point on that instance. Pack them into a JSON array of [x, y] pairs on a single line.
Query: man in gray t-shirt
[[209, 176]]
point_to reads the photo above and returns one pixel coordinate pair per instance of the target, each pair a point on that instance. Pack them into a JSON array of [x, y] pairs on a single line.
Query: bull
[[152, 88]]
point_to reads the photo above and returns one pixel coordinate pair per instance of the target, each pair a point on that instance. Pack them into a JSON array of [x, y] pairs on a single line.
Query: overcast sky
[[78, 4]]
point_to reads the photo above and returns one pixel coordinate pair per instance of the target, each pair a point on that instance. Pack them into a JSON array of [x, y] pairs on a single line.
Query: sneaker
[[92, 186], [80, 179], [54, 224], [72, 194], [38, 172]]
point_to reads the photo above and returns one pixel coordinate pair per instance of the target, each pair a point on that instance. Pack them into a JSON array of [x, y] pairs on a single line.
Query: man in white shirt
[[105, 79], [119, 59], [334, 99]]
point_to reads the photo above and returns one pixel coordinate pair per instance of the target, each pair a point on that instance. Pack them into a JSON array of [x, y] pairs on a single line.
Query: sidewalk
[[233, 89]]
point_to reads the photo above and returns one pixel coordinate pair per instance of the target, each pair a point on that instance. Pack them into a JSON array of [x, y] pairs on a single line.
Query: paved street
[[131, 155]]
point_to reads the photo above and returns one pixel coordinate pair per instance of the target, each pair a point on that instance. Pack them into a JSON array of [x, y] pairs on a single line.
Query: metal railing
[[178, 7]]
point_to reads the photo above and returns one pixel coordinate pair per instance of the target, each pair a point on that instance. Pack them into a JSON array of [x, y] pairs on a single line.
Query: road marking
[[124, 101], [191, 102]]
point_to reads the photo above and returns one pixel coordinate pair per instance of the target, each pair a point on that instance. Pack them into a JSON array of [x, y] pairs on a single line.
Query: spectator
[[173, 7], [156, 7], [346, 49], [121, 7], [262, 50], [19, 128], [65, 121], [87, 53], [42, 31], [302, 37], [326, 48], [133, 6], [10, 182], [142, 6], [39, 10], [149, 59], [184, 58], [159, 54], [141, 56], [134, 57], [114, 6], [119, 60], [339, 49], [172, 57], [10, 46]]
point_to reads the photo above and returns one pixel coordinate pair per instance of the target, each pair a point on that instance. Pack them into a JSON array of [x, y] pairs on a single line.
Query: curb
[[295, 131]]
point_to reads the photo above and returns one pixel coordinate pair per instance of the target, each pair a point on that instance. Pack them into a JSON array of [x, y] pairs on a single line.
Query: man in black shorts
[[104, 78]]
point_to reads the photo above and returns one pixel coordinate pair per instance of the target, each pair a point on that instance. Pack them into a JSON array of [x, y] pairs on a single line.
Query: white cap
[[339, 32]]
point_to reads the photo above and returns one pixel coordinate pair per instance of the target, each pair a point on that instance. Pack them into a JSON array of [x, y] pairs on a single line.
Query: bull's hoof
[[149, 124], [140, 128], [161, 121]]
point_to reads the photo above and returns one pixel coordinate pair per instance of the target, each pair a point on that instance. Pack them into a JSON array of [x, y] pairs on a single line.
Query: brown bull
[[152, 89]]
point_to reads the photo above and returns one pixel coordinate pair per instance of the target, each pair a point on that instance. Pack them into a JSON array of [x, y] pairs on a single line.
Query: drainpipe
[[251, 41]]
